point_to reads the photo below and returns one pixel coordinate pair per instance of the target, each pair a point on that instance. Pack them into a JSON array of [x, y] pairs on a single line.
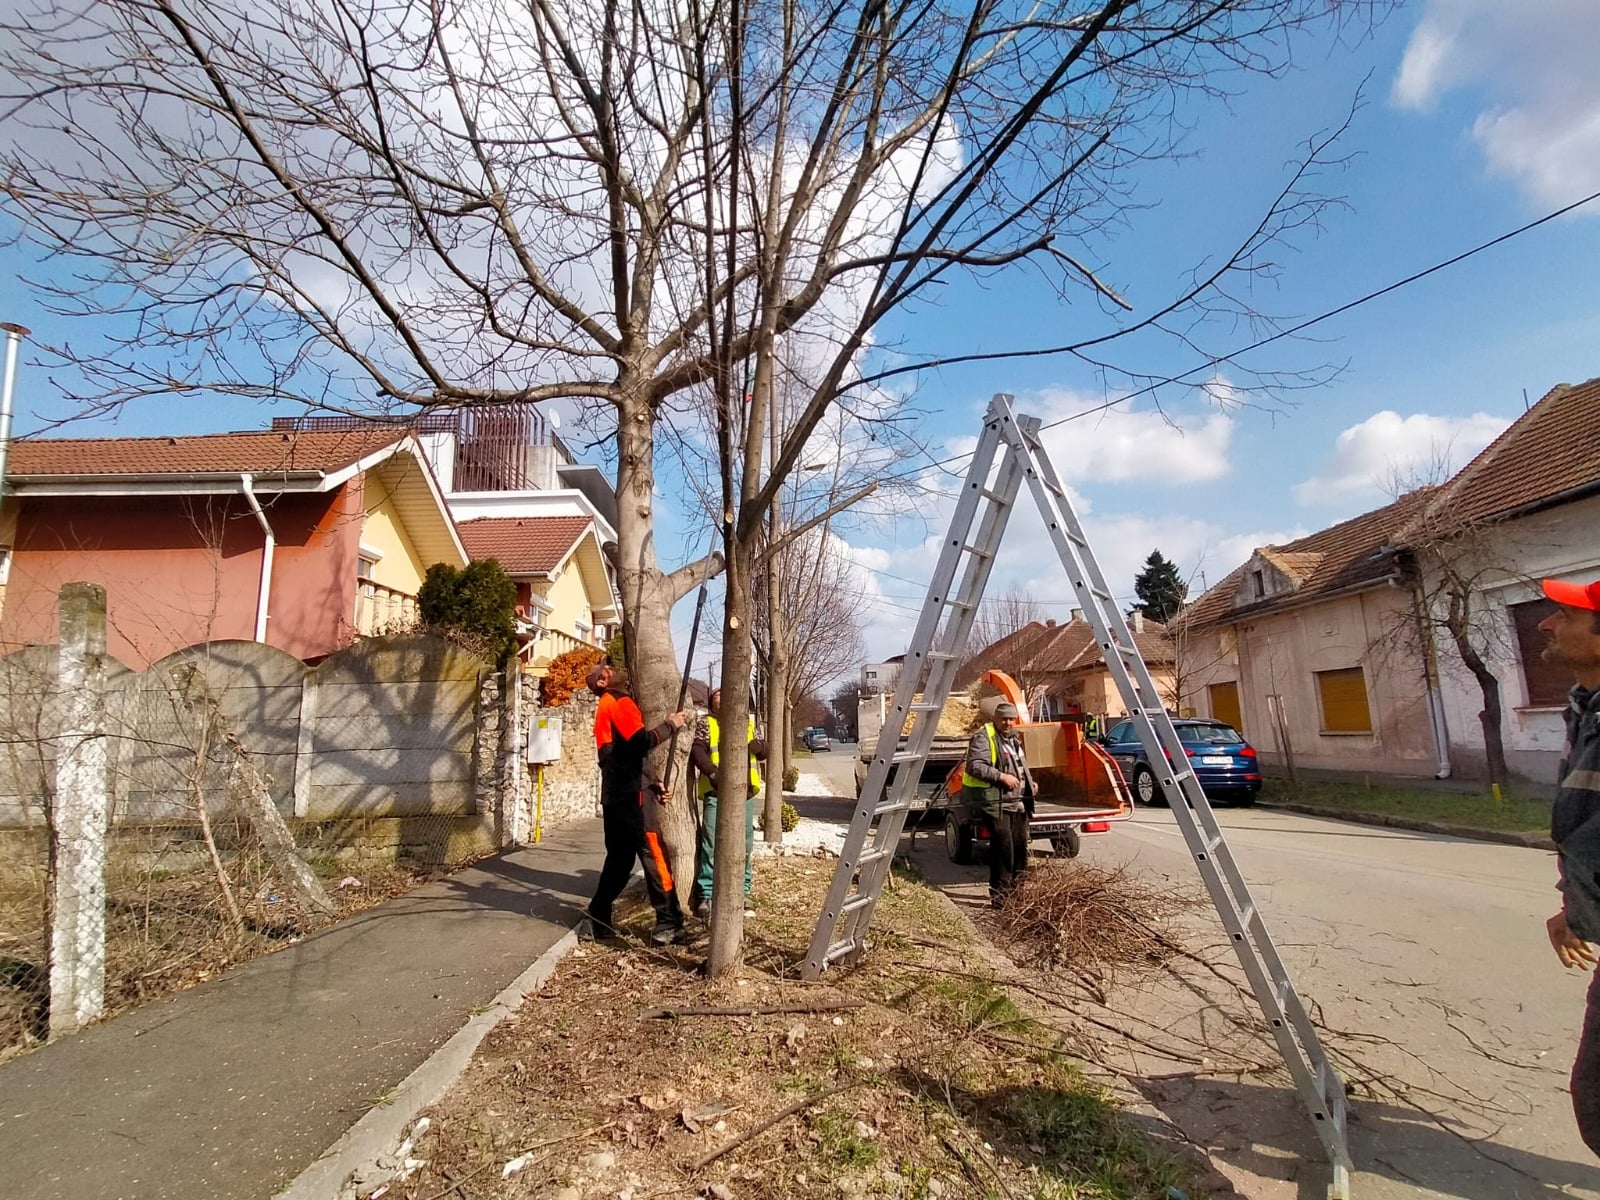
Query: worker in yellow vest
[[997, 788], [705, 756]]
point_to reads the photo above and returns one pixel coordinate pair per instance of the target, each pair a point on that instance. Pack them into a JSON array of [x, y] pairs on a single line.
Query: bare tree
[[396, 206], [1452, 563], [1004, 615]]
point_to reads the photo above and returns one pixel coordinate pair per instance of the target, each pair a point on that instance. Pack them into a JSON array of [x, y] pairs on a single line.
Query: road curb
[[1506, 837], [366, 1154]]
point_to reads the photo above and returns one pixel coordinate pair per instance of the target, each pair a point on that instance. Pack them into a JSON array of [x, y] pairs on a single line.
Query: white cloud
[[1532, 67], [1369, 458], [1128, 444]]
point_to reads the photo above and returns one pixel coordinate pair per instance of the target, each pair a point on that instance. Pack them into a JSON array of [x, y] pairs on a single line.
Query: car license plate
[[1216, 760]]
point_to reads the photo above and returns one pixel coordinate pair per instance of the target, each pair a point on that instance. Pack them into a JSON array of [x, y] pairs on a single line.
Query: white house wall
[[1279, 653], [1562, 541]]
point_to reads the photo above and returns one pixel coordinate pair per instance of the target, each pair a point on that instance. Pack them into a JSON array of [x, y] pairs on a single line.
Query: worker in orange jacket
[[627, 807]]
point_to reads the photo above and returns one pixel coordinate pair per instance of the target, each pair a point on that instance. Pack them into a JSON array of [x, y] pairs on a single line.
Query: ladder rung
[[925, 708], [901, 756], [870, 857], [883, 810], [1213, 843], [1105, 597], [995, 497], [855, 904], [940, 656], [1281, 997], [839, 949], [1246, 915], [977, 551]]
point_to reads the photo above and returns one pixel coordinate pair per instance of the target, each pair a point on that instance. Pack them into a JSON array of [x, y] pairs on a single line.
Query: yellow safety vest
[[972, 781], [708, 784]]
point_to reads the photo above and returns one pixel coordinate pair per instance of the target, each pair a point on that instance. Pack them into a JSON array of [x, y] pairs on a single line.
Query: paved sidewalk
[[231, 1089]]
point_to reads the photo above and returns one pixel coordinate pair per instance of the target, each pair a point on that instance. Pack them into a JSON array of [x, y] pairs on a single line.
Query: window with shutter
[[1547, 683], [1225, 703], [1344, 701]]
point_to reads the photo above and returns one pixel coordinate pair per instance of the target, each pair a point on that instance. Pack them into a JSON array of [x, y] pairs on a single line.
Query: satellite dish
[[554, 418]]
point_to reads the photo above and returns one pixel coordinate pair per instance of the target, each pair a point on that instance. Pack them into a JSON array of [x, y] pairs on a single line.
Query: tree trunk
[[733, 770], [647, 601], [777, 690], [1490, 716]]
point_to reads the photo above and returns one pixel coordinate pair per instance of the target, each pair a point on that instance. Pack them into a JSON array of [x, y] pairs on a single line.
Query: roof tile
[[1551, 449], [261, 453], [1348, 554], [523, 545]]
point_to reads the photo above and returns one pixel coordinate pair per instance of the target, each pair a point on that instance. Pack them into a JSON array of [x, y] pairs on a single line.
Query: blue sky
[[1476, 117]]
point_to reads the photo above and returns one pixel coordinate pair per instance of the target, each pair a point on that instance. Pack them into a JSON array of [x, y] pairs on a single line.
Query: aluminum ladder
[[1315, 1078]]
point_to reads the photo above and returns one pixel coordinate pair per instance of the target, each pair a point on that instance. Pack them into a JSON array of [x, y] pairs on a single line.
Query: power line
[[1300, 327]]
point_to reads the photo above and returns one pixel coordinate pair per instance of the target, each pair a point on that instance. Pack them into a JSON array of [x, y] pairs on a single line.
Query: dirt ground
[[914, 1074]]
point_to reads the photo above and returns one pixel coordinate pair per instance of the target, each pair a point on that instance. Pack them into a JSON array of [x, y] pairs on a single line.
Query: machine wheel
[[958, 839], [1145, 789], [1067, 843]]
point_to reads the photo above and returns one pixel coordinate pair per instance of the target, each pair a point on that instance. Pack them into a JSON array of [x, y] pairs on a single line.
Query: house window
[[1258, 584], [366, 567], [5, 565], [1225, 702], [1344, 701], [1547, 683]]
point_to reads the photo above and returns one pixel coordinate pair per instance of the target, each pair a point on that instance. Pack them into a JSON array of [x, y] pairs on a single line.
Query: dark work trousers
[[1008, 839], [1586, 1071], [629, 841]]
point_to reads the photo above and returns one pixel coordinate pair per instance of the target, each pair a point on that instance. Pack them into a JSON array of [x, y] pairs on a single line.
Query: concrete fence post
[[80, 808], [511, 820]]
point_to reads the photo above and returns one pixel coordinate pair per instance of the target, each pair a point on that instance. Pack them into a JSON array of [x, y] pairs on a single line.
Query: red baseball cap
[[1573, 595]]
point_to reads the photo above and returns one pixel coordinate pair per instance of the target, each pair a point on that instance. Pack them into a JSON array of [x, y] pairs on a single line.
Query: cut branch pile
[[1091, 917]]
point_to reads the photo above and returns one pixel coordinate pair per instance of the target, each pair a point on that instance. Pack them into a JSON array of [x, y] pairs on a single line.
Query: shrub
[[477, 604], [791, 779], [789, 817], [617, 651], [566, 675]]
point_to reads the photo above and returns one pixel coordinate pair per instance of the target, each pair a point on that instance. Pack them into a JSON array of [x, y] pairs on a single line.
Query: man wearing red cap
[[1574, 631]]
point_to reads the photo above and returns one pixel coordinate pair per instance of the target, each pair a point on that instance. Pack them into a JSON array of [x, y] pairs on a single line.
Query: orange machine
[[1081, 788]]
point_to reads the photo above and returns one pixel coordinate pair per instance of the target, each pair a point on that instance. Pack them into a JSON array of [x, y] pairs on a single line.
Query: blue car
[[1224, 763]]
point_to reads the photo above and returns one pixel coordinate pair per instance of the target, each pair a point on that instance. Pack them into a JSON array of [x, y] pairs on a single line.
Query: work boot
[[593, 929], [670, 935]]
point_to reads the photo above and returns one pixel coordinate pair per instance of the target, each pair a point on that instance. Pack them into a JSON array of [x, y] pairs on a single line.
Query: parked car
[[816, 738], [1225, 765]]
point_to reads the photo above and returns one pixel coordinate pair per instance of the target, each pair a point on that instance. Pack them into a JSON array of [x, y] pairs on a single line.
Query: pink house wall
[[185, 569]]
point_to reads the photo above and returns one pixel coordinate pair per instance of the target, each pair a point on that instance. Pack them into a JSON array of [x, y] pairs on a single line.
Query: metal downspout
[[1431, 688], [247, 483]]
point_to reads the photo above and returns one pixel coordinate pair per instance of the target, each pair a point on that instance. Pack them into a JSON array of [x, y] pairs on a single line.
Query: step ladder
[[936, 650]]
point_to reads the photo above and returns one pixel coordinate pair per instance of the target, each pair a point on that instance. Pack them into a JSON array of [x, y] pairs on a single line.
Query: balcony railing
[[382, 609], [548, 644]]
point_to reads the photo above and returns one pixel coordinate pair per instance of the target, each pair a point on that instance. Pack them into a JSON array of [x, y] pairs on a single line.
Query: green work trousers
[[706, 852]]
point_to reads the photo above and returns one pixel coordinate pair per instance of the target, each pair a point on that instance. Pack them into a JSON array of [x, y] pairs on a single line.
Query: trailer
[[1081, 788]]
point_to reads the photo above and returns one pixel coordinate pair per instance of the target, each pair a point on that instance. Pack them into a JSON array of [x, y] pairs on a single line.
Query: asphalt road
[[1427, 959]]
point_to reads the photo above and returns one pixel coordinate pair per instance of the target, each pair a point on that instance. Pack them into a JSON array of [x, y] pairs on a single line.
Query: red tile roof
[[523, 545], [265, 454], [1346, 555], [1551, 450], [1056, 649]]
